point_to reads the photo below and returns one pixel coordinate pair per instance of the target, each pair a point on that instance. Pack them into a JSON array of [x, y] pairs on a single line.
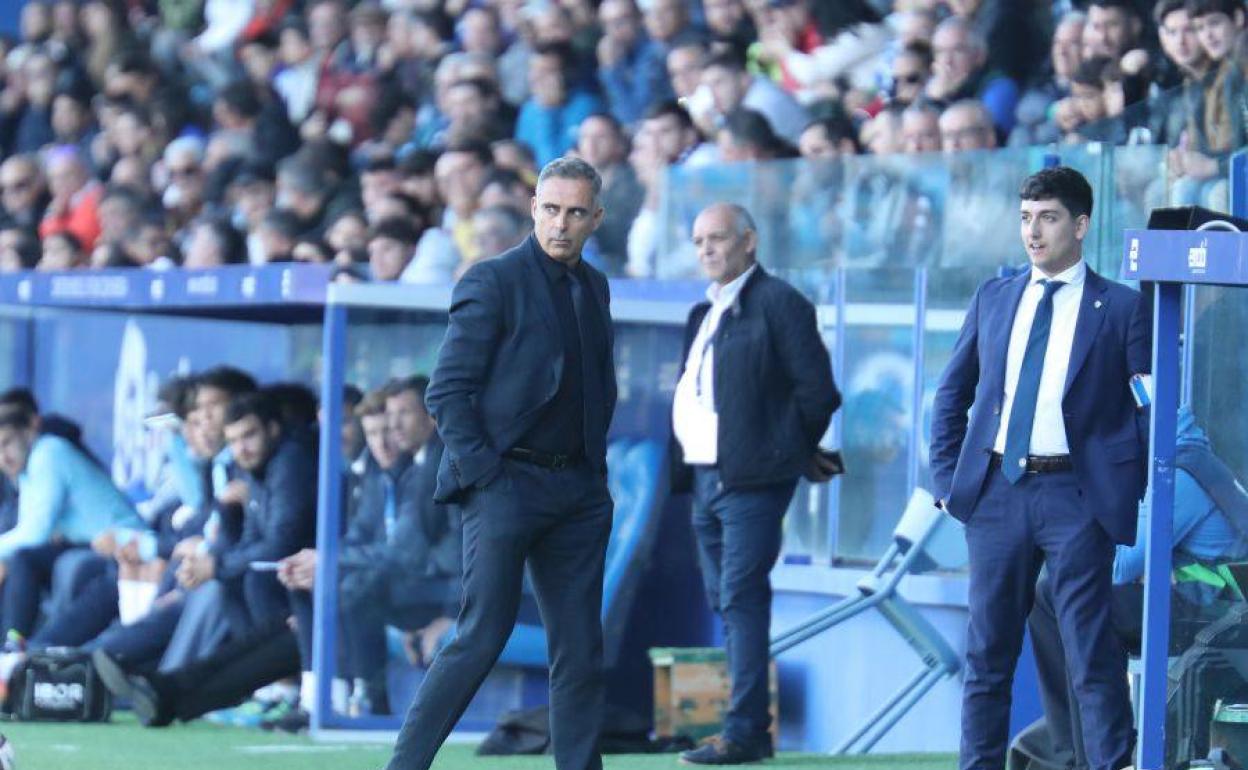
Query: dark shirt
[[562, 428]]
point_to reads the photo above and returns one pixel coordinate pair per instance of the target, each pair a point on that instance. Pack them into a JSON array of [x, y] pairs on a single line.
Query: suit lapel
[[1088, 324], [1003, 326], [540, 288]]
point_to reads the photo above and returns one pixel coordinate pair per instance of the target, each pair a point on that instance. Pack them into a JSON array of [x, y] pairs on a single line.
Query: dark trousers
[[30, 574], [738, 537], [1013, 531], [230, 675], [559, 521], [140, 645], [85, 617], [409, 604]]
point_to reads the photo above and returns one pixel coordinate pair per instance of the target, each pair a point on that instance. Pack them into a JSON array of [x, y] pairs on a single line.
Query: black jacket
[[501, 364], [280, 515], [774, 391]]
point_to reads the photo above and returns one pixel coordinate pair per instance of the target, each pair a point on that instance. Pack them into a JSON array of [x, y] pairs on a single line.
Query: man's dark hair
[[669, 107], [1126, 6], [395, 228], [1164, 8], [611, 120], [412, 206], [1060, 183], [15, 416], [417, 383], [1198, 8], [133, 199], [294, 402], [20, 397], [379, 163], [132, 61], [177, 393], [485, 88], [233, 245], [750, 127], [241, 97], [417, 162], [730, 59], [480, 150], [351, 397], [258, 404], [233, 381], [27, 246], [921, 50], [282, 222], [505, 177], [562, 50], [838, 128]]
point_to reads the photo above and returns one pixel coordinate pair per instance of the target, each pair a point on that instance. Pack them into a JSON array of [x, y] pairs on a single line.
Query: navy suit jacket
[[774, 391], [501, 363], [1106, 432]]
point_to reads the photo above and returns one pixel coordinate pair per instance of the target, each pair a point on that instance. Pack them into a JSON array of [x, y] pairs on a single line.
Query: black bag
[[58, 685], [1209, 671]]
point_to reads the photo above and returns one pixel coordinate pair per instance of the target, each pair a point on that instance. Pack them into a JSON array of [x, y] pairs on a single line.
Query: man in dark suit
[[522, 394], [1048, 468], [753, 400]]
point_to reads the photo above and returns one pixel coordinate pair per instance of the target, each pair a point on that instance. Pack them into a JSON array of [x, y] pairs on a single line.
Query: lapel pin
[[1097, 304]]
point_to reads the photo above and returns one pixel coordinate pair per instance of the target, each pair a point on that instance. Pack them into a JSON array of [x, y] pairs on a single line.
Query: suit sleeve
[[953, 400], [1139, 350], [807, 365], [473, 333]]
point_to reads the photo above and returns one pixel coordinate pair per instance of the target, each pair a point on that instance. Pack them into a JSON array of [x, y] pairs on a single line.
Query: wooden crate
[[691, 692]]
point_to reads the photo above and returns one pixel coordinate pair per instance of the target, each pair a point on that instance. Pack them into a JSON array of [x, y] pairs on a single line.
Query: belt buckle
[[558, 462]]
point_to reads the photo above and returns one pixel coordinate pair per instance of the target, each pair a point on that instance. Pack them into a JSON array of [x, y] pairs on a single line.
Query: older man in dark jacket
[[753, 400]]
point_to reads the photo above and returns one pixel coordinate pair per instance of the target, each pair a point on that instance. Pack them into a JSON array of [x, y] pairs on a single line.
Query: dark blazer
[[774, 391], [1107, 434], [280, 515], [501, 363]]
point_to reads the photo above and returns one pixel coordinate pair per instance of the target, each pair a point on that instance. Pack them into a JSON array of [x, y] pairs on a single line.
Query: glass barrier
[[876, 242], [1210, 553]]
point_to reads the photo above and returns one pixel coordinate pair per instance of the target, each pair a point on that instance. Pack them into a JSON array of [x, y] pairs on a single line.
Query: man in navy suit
[[1048, 468], [522, 394], [753, 400]]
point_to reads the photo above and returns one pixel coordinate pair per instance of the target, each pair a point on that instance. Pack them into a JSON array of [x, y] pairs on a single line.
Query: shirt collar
[[551, 268], [727, 294], [1071, 276]]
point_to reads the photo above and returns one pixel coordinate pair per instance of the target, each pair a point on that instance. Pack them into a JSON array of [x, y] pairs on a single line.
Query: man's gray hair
[[742, 220], [573, 168]]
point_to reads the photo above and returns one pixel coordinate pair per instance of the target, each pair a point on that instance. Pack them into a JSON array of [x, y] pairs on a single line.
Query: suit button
[[996, 409]]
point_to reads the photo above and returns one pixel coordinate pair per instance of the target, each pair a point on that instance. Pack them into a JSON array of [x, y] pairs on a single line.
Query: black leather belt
[[1041, 463], [549, 460]]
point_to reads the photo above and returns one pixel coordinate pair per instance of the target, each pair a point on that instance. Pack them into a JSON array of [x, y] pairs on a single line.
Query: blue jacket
[[501, 364], [280, 515], [63, 493], [551, 131], [1106, 433], [774, 391]]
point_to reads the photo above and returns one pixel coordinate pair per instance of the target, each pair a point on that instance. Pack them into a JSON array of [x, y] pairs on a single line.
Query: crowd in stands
[[400, 139], [200, 597]]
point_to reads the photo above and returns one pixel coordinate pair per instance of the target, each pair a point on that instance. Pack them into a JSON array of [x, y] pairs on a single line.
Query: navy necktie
[[1023, 412]]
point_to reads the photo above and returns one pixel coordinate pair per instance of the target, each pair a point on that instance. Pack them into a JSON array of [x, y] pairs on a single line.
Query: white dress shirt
[[694, 420], [1048, 431]]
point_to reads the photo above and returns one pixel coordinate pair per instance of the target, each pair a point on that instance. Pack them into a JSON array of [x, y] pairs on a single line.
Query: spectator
[[601, 142], [72, 121], [296, 82], [958, 72], [494, 230], [19, 249], [516, 156], [631, 67], [475, 112], [731, 86], [1087, 99], [828, 139], [1182, 48], [277, 235], [912, 68], [23, 194], [685, 63], [1215, 125], [548, 120], [728, 23], [1036, 122], [967, 125], [920, 128], [1113, 29], [460, 173], [32, 127], [75, 197], [677, 139], [805, 63], [213, 243], [121, 211], [64, 501], [61, 251], [391, 245], [240, 109], [304, 190], [183, 196]]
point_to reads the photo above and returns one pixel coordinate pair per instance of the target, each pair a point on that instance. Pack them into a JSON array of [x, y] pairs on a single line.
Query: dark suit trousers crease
[[1012, 532], [738, 538], [558, 521]]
